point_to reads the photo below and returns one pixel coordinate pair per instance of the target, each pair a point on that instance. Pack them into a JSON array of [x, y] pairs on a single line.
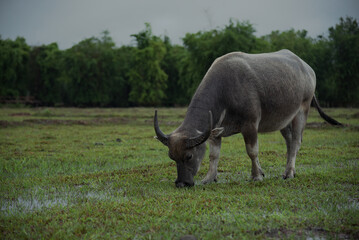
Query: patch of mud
[[355, 115], [168, 123], [4, 123], [94, 121], [309, 234], [19, 114], [47, 121], [55, 121]]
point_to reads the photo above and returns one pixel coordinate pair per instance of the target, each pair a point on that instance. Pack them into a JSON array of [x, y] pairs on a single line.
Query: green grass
[[71, 173]]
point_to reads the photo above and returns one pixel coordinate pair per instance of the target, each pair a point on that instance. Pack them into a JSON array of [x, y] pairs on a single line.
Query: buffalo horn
[[195, 141], [160, 135]]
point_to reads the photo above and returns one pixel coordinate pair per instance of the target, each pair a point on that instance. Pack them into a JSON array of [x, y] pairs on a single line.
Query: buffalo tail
[[323, 115]]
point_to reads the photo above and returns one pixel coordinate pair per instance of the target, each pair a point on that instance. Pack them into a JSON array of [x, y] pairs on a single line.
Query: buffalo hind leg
[[214, 150], [293, 137], [287, 134], [251, 140]]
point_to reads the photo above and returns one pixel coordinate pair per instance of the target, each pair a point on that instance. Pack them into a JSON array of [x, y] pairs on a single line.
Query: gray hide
[[244, 93]]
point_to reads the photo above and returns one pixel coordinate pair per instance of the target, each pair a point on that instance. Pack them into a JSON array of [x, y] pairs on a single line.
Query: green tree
[[171, 63], [14, 57], [154, 72], [296, 41], [147, 79], [321, 63], [45, 73], [204, 47], [344, 39], [120, 87], [91, 72]]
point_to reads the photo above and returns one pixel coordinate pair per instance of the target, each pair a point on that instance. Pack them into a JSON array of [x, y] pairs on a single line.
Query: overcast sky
[[69, 21]]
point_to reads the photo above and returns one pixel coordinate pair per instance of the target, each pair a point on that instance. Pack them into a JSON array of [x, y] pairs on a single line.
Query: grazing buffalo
[[243, 93]]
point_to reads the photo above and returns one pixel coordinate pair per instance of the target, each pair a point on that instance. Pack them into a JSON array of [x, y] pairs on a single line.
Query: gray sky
[[69, 21]]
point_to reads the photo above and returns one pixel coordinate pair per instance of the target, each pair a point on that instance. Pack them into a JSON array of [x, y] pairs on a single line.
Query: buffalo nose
[[184, 184]]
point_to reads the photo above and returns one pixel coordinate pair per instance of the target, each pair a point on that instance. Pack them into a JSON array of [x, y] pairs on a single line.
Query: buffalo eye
[[189, 157]]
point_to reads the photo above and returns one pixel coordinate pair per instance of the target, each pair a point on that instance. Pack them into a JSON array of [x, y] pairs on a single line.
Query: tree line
[[155, 72]]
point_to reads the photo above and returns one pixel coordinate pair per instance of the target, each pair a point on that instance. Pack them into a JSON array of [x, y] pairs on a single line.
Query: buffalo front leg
[[214, 150], [251, 141]]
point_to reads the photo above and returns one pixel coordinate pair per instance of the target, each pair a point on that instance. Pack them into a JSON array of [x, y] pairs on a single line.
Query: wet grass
[[98, 173]]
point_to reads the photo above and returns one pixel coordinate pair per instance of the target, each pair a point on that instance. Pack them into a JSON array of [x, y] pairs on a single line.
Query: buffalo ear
[[217, 132]]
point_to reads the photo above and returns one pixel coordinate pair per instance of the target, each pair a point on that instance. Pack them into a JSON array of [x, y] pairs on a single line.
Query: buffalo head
[[186, 149]]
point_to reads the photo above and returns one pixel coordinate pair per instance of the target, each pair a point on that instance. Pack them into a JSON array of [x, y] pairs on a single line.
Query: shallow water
[[27, 205], [39, 199]]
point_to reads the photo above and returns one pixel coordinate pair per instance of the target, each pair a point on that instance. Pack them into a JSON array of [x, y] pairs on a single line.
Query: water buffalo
[[243, 93]]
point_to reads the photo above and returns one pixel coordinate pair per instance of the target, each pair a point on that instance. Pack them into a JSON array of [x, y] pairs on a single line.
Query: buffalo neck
[[197, 116], [208, 97]]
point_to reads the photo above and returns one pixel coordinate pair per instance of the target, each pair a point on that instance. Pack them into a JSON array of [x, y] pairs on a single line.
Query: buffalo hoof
[[207, 180], [289, 174], [257, 178], [184, 184]]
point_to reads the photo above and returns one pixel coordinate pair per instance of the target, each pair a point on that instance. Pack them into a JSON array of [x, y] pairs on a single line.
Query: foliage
[[44, 74], [176, 93], [204, 47], [14, 57], [146, 78], [296, 41], [345, 44], [69, 173], [94, 72], [120, 88]]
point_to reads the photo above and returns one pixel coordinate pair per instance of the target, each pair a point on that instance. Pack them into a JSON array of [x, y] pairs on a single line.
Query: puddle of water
[[40, 199], [32, 204], [352, 205]]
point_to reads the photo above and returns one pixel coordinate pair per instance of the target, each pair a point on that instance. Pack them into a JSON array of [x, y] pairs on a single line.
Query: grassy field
[[70, 173]]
